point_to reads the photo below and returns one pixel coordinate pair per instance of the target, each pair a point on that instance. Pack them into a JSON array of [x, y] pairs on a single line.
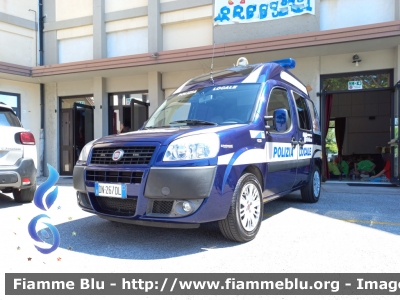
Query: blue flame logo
[[40, 202], [43, 188]]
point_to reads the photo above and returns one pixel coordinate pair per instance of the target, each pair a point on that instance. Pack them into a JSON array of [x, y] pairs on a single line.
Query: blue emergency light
[[287, 63]]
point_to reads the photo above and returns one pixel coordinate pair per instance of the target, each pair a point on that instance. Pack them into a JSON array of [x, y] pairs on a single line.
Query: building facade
[[76, 70]]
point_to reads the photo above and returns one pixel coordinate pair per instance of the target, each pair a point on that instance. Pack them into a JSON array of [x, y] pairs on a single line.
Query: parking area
[[350, 229]]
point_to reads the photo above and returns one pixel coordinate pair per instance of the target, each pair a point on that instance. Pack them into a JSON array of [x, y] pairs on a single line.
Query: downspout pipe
[[41, 17], [42, 117]]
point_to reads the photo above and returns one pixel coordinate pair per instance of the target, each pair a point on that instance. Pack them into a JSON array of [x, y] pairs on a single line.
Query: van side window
[[302, 112], [314, 116], [278, 99]]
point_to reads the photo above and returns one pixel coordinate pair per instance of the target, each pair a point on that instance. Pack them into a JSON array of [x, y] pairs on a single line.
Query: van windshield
[[214, 105]]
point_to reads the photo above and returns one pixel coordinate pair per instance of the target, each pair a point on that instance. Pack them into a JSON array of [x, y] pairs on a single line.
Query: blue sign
[[246, 11], [40, 202]]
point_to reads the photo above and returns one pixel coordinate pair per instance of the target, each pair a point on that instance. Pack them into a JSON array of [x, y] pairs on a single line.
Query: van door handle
[[301, 142], [294, 142]]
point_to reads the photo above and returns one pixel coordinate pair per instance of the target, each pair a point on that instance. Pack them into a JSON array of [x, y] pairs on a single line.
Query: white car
[[18, 157]]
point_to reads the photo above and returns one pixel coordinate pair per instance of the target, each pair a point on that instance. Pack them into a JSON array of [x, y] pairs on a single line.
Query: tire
[[238, 225], [24, 195], [311, 192]]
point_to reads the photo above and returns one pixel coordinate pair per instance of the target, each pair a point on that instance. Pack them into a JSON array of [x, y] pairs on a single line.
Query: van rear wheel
[[310, 193], [246, 211]]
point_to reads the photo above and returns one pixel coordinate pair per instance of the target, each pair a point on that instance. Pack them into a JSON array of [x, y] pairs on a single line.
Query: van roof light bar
[[287, 63]]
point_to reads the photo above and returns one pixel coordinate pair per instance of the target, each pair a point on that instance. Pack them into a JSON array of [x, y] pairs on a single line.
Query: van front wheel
[[310, 193], [246, 211]]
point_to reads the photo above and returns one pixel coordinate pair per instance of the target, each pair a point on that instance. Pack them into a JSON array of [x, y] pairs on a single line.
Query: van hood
[[164, 136]]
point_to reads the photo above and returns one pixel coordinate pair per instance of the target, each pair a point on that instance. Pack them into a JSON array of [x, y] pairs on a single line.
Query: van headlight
[[199, 146], [83, 156]]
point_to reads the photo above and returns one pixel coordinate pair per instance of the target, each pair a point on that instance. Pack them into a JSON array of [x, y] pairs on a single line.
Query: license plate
[[110, 190]]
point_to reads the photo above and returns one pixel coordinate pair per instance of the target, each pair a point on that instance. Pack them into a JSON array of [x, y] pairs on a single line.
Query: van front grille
[[117, 206], [114, 176], [162, 207], [136, 155]]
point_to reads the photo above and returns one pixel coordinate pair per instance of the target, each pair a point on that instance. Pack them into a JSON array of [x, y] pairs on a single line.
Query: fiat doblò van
[[217, 149]]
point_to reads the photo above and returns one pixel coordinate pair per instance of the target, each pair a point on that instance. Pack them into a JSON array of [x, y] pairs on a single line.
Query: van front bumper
[[180, 183], [159, 199]]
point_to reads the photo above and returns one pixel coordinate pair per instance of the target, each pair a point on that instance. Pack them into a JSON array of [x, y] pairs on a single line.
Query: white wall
[[307, 71], [71, 9], [127, 37], [127, 42], [363, 135], [127, 84], [17, 45], [187, 28], [168, 92], [173, 80], [347, 13], [74, 88], [75, 44], [21, 9], [118, 5], [75, 49], [372, 60], [187, 34], [30, 105]]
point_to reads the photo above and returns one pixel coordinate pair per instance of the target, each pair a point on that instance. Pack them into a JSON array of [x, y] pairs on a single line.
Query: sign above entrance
[[355, 85], [248, 11]]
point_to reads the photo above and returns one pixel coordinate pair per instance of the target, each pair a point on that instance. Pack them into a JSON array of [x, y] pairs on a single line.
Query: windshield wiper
[[194, 122]]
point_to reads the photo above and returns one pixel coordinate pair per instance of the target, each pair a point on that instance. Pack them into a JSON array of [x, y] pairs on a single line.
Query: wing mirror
[[279, 119]]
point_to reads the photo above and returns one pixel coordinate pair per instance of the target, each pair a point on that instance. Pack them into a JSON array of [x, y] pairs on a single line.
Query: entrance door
[[76, 130], [83, 127], [394, 143], [139, 114]]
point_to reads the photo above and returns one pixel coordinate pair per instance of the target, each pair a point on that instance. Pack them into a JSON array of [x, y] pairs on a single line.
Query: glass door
[[128, 112], [394, 142], [76, 129]]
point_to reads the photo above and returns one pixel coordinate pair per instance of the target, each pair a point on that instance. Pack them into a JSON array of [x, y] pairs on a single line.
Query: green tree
[[330, 141], [373, 81]]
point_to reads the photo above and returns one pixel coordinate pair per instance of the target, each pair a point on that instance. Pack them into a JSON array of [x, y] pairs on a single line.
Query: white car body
[[18, 157]]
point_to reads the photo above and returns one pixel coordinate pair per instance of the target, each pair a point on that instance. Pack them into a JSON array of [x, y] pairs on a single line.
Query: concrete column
[[101, 107], [50, 44], [154, 26], [396, 75], [99, 30], [51, 125], [156, 94]]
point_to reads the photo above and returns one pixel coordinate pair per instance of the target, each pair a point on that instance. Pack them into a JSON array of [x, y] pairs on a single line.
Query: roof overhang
[[344, 40]]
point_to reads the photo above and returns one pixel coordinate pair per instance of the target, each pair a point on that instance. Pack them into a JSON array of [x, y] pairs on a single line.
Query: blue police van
[[217, 149]]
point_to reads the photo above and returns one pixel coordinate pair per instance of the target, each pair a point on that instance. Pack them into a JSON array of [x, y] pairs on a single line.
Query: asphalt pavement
[[350, 230]]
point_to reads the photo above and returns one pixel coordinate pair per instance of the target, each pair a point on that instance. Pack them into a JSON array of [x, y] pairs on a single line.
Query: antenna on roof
[[212, 65]]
